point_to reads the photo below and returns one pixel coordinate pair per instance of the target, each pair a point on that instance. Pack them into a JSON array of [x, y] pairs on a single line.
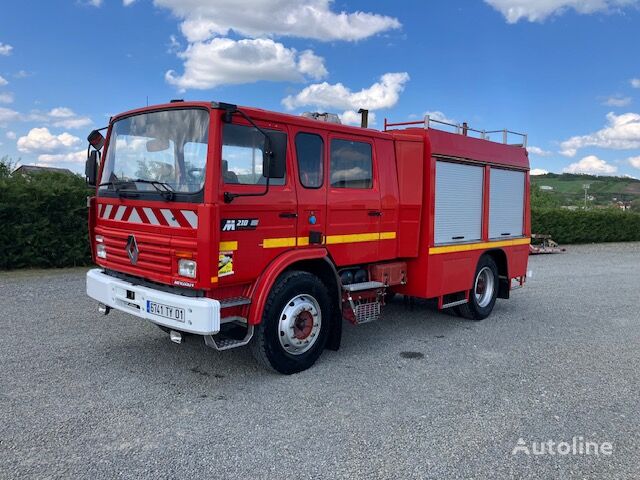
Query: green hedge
[[586, 226], [43, 220]]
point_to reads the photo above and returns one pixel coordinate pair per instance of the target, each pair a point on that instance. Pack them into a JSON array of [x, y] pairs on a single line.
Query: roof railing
[[463, 129]]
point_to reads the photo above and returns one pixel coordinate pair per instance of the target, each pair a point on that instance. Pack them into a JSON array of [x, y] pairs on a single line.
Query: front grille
[[154, 258]]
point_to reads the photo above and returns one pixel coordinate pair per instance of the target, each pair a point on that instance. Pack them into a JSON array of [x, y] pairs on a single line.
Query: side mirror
[[273, 166], [91, 168], [96, 140]]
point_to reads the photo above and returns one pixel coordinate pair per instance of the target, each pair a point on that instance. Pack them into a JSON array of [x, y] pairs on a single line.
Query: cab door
[[353, 200], [311, 163], [257, 227]]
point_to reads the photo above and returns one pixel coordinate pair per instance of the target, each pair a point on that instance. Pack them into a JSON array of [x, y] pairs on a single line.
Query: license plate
[[166, 311]]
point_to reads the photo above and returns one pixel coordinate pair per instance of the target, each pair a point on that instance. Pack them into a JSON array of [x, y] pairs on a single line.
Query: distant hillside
[[603, 189]]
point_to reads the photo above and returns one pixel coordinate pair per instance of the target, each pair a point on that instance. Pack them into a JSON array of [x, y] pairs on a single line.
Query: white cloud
[[8, 115], [204, 19], [6, 97], [621, 133], [538, 171], [591, 165], [635, 82], [352, 117], [225, 61], [634, 162], [5, 49], [3, 81], [74, 157], [93, 3], [312, 65], [64, 117], [11, 135], [41, 140], [383, 94], [617, 101], [539, 10], [126, 3], [539, 152]]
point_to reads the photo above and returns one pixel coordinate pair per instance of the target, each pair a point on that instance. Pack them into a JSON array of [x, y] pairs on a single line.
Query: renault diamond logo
[[132, 249]]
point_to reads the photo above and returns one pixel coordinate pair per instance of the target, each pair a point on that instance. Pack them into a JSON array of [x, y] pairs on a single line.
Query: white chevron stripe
[[107, 211], [134, 217], [151, 216], [191, 217], [168, 216], [120, 212]]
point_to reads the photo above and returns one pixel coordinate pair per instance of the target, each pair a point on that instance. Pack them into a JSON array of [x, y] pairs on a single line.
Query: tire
[[483, 293], [295, 324]]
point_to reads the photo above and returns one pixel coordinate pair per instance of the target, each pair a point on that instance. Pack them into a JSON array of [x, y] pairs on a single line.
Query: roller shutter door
[[506, 204], [458, 215]]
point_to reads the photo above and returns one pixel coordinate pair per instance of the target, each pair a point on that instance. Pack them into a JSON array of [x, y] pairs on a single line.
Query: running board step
[[234, 302], [358, 287], [221, 341]]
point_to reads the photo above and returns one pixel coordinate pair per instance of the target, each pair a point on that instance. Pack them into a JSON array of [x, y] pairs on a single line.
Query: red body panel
[[403, 192]]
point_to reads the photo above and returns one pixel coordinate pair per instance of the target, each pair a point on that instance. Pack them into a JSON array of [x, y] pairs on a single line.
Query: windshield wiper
[[166, 190]]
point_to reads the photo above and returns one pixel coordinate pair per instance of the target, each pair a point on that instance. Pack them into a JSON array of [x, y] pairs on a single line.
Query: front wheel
[[295, 324], [483, 294]]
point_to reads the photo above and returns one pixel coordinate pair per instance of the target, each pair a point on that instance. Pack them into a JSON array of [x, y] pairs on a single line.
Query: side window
[[310, 153], [242, 153], [351, 164]]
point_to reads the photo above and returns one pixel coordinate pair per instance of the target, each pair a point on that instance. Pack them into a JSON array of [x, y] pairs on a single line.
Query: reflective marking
[[120, 213], [134, 217], [107, 211], [168, 216], [191, 217], [228, 246], [478, 246], [151, 216], [330, 240]]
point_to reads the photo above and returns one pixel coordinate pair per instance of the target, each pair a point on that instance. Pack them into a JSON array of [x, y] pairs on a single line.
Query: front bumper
[[201, 315]]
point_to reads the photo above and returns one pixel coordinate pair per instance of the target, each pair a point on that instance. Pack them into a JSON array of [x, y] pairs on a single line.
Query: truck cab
[[245, 226]]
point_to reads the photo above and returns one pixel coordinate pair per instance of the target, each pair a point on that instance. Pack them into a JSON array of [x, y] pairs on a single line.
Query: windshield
[[167, 147]]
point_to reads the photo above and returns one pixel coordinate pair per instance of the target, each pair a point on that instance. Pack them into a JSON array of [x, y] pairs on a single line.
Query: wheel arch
[[502, 262], [315, 261]]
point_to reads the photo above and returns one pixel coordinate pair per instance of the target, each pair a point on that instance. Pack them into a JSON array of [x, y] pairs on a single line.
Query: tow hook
[[103, 309], [175, 337]]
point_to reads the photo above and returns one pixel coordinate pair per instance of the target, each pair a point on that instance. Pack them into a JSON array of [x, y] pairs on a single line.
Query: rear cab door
[[353, 200]]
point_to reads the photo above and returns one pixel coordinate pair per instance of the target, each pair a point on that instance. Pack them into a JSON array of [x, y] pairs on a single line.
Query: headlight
[[187, 268], [101, 250]]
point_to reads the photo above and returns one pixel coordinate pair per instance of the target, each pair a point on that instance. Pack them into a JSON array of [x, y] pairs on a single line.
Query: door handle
[[375, 213], [288, 215]]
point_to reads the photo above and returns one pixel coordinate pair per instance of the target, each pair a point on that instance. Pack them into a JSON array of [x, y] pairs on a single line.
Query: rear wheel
[[483, 294], [295, 324]]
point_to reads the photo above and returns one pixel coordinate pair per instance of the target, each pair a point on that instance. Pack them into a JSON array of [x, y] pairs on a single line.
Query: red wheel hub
[[303, 325]]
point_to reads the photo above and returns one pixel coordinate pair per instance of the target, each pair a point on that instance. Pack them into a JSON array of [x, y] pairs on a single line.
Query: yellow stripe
[[478, 246], [228, 246], [330, 240], [279, 242]]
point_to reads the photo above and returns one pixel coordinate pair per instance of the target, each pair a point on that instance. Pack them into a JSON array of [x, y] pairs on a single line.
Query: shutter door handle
[[375, 213], [288, 215]]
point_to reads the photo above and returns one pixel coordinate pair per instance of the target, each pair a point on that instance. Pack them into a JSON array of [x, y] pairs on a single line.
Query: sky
[[567, 72]]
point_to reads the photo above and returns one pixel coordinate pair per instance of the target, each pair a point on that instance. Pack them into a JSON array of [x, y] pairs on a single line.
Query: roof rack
[[462, 129]]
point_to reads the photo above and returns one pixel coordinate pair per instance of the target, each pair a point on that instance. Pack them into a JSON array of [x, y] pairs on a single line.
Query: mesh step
[[234, 302], [221, 341], [358, 287]]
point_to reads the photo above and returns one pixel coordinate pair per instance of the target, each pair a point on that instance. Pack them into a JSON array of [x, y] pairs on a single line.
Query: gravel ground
[[418, 394]]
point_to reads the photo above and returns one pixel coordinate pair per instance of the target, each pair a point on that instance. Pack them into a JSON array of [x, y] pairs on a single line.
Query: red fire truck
[[245, 226]]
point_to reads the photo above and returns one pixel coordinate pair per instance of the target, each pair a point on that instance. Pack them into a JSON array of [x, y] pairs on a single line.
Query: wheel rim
[[484, 287], [299, 324]]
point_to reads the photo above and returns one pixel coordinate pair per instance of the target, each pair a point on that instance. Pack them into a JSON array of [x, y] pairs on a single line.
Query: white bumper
[[201, 315]]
